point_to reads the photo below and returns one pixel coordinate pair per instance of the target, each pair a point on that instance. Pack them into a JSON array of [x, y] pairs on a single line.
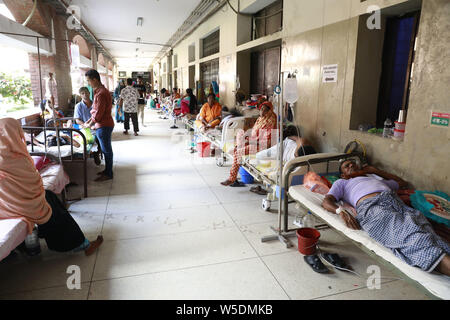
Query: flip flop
[[316, 264], [335, 260]]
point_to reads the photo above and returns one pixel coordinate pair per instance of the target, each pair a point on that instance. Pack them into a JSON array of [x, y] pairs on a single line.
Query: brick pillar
[[62, 63], [47, 65]]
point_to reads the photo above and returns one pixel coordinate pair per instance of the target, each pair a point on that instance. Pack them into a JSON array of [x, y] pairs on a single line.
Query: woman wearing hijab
[[260, 139], [22, 196], [189, 104]]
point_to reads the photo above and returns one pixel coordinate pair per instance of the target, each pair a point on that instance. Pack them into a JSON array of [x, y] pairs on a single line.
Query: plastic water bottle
[[387, 131], [308, 220], [32, 243]]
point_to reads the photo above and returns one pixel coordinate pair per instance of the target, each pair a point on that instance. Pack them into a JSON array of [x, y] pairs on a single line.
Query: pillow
[[40, 162]]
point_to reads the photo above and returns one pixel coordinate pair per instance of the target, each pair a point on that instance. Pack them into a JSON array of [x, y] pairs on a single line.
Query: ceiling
[[117, 20]]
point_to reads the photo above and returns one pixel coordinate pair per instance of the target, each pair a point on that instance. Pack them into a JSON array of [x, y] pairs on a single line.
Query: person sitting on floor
[[386, 218], [260, 139], [210, 114], [22, 196], [293, 146]]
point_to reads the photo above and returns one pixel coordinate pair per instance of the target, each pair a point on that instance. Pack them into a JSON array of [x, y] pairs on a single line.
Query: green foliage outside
[[15, 92]]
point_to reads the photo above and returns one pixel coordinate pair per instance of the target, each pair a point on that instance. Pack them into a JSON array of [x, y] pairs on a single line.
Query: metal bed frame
[[72, 157], [285, 232]]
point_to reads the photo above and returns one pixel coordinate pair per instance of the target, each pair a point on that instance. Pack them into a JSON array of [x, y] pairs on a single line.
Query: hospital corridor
[[252, 153], [172, 232]]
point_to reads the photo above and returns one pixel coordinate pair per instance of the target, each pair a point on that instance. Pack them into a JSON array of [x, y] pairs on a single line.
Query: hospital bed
[[12, 233], [433, 284], [69, 153], [222, 139]]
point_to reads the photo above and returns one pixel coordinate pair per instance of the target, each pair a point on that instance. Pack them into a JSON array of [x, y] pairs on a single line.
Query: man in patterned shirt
[[129, 97], [386, 218]]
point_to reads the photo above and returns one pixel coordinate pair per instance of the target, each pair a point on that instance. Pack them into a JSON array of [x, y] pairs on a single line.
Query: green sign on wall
[[440, 119]]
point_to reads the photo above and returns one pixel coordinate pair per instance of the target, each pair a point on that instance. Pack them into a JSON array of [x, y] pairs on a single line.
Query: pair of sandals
[[258, 190], [333, 258], [235, 184]]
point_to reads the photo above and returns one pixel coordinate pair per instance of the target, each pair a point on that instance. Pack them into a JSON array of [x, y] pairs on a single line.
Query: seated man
[[386, 218], [210, 114], [82, 114], [293, 146]]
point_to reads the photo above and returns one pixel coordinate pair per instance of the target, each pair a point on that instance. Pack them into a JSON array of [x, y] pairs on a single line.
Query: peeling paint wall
[[324, 109]]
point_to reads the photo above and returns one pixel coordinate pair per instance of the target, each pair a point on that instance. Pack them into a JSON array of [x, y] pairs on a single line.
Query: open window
[[384, 66]]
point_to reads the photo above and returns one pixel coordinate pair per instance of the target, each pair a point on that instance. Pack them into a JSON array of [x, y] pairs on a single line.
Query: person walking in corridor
[[129, 98], [103, 121], [141, 102]]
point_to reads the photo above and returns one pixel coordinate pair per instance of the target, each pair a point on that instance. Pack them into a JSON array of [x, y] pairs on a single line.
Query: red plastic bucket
[[307, 240], [204, 149]]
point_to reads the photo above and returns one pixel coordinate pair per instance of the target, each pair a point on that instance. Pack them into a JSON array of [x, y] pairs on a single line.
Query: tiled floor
[[173, 232]]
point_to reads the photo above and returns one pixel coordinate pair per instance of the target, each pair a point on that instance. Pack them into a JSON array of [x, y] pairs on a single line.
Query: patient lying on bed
[[293, 146], [386, 218]]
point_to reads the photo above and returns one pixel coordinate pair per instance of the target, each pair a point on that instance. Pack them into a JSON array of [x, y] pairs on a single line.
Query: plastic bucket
[[246, 177], [307, 240], [204, 149]]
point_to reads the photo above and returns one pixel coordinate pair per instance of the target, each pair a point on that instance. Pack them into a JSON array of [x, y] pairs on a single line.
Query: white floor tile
[[247, 280], [155, 223], [56, 293], [301, 282], [160, 201], [48, 269], [395, 290], [170, 252]]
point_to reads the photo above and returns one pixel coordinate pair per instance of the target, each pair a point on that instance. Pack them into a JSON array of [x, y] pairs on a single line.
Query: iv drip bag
[[290, 90]]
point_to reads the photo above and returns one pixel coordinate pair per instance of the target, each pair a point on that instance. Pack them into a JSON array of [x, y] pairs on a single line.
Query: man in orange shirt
[[210, 114]]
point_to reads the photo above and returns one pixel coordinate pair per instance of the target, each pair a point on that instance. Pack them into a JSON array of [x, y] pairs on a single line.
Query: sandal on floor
[[237, 184], [258, 190], [335, 260], [315, 263]]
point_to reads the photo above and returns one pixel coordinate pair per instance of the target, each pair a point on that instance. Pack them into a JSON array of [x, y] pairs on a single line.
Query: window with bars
[[268, 20], [209, 72], [211, 44]]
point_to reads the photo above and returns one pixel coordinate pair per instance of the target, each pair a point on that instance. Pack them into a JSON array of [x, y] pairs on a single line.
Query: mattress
[[12, 233], [54, 178], [437, 284]]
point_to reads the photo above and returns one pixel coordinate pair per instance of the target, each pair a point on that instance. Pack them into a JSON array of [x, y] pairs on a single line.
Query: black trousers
[[61, 232], [134, 119]]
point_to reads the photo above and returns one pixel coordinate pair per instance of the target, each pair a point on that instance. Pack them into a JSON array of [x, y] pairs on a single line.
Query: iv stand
[[281, 233]]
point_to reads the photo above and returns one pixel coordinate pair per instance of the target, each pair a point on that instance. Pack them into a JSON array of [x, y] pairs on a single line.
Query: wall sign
[[440, 119], [330, 73], [122, 74]]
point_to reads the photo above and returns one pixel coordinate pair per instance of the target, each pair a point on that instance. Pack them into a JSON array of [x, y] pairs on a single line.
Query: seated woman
[[293, 146], [189, 105], [22, 196], [210, 114], [261, 138]]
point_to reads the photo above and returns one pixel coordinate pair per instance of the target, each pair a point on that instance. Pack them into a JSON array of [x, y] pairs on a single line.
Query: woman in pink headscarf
[[22, 195]]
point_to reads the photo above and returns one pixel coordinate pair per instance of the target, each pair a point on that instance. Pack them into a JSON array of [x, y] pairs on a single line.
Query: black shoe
[[315, 263], [97, 158]]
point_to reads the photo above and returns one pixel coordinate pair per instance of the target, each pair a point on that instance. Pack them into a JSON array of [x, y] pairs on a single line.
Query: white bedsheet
[[12, 233], [54, 178], [437, 284]]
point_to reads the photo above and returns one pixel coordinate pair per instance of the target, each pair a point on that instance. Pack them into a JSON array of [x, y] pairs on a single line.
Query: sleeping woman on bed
[[22, 196]]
